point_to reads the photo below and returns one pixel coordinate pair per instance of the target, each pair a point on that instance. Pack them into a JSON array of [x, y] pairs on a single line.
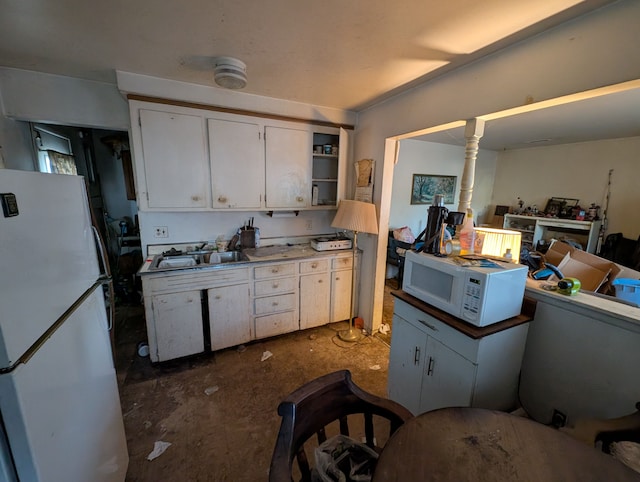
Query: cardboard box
[[595, 273]]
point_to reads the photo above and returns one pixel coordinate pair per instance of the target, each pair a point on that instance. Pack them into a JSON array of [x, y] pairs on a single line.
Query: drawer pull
[[430, 367], [274, 270], [275, 285], [428, 325], [299, 199], [337, 278], [218, 297], [275, 303], [314, 265], [319, 281], [416, 356]]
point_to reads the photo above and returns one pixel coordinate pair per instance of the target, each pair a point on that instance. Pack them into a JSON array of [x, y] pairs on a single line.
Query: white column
[[472, 133]]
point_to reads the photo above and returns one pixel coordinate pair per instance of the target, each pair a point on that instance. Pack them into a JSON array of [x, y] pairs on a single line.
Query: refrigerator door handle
[[105, 278]]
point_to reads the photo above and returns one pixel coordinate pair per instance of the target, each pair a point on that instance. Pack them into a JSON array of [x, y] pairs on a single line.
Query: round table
[[471, 444]]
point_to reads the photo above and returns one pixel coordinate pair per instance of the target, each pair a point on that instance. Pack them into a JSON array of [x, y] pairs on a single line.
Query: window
[[53, 151]]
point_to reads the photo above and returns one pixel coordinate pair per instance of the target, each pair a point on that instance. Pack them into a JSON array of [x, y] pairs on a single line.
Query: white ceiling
[[334, 53], [607, 113]]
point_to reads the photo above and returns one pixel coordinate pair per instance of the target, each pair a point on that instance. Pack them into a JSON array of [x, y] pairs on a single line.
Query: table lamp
[[499, 242], [356, 216]]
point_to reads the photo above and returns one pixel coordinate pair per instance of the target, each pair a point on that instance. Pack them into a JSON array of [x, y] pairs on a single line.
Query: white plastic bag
[[343, 459]]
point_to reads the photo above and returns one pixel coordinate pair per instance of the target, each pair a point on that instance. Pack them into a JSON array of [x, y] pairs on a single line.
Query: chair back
[[310, 408]]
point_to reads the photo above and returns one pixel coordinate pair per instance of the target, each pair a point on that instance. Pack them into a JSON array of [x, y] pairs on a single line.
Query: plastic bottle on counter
[[467, 235]]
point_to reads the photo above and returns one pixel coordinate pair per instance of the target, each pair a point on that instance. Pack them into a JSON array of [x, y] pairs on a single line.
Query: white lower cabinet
[[315, 293], [178, 325], [275, 299], [432, 365], [341, 289], [188, 310], [229, 320]]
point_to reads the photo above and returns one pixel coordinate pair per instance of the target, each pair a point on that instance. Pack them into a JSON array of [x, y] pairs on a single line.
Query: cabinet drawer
[[454, 339], [274, 286], [272, 325], [194, 280], [314, 266], [273, 304], [273, 270], [342, 263]]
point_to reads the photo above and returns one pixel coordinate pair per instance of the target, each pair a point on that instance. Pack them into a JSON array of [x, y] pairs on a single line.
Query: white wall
[[16, 151], [577, 171], [191, 227], [420, 157], [589, 52]]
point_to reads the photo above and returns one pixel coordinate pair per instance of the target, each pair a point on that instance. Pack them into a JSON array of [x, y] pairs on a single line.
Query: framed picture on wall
[[424, 187]]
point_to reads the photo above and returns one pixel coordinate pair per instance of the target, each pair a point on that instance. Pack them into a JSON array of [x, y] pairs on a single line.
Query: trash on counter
[[384, 328], [266, 355], [211, 390], [158, 449]]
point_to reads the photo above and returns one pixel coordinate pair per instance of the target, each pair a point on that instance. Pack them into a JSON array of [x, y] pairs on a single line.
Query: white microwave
[[479, 296]]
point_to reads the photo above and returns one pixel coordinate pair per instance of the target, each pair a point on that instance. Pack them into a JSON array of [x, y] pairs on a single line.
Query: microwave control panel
[[471, 298]]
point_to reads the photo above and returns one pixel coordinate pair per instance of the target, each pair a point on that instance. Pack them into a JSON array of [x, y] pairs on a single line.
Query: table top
[[471, 444]]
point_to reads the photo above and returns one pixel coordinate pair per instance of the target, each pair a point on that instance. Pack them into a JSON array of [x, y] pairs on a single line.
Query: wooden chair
[[312, 407]]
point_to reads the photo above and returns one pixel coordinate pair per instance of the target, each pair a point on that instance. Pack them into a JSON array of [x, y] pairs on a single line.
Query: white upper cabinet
[[288, 167], [237, 164], [176, 168], [195, 159]]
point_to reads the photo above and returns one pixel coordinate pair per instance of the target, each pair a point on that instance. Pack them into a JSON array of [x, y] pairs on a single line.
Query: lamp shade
[[356, 216], [496, 242]]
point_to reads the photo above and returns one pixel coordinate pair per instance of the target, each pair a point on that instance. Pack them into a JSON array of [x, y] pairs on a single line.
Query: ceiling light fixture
[[230, 73]]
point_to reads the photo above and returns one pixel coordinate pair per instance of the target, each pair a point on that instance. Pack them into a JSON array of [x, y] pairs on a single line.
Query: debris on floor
[[266, 355], [158, 449], [211, 390], [241, 348], [374, 367], [384, 328], [313, 337]]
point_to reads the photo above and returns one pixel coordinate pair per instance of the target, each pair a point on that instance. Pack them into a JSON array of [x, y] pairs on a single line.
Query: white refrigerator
[[60, 415]]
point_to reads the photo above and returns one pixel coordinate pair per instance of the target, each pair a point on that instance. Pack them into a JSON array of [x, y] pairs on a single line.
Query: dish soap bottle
[[467, 235]]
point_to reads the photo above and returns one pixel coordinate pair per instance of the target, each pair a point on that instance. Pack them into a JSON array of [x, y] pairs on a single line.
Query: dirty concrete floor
[[219, 411]]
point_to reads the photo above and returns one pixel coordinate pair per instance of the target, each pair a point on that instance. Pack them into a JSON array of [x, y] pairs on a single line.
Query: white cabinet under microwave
[[479, 296]]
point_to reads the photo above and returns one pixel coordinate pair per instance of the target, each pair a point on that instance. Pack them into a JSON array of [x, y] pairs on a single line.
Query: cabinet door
[[315, 297], [340, 295], [237, 164], [406, 360], [288, 167], [176, 168], [178, 324], [448, 378], [229, 318]]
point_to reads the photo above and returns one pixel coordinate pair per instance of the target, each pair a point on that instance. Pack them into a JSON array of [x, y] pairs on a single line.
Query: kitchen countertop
[[590, 304], [255, 255]]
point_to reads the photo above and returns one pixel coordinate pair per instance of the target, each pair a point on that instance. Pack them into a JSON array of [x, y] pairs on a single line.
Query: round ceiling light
[[230, 73]]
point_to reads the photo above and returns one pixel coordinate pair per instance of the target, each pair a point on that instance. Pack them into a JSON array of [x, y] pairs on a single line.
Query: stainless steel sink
[[199, 259]]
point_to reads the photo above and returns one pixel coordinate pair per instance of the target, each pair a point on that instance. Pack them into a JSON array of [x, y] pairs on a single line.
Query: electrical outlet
[[309, 225], [558, 419], [161, 232]]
